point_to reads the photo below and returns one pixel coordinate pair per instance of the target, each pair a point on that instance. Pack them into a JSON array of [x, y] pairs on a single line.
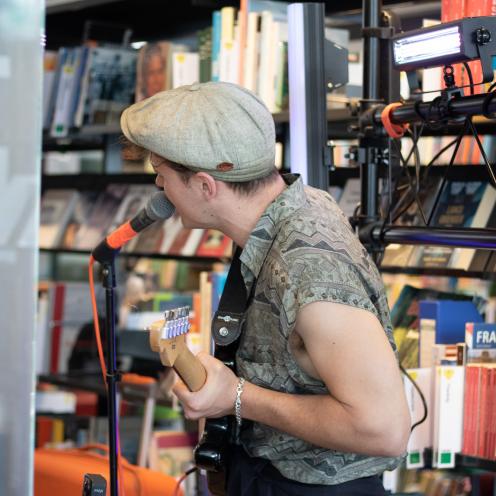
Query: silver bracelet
[[237, 403]]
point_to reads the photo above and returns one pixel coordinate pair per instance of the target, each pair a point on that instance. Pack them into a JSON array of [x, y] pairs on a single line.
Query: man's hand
[[217, 396]]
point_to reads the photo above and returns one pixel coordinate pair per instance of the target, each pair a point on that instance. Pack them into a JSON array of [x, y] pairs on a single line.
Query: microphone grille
[[159, 207]]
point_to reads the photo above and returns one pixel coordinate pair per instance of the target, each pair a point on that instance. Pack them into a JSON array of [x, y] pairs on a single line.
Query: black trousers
[[257, 477]]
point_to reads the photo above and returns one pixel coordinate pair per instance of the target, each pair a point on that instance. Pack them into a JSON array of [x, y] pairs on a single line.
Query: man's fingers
[[180, 390]]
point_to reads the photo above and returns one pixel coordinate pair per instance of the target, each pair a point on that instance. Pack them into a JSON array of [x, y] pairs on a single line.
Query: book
[[229, 46], [168, 300], [462, 257], [49, 85], [96, 226], [397, 255], [57, 206], [149, 240], [205, 54], [266, 63], [44, 430], [82, 209], [480, 416], [61, 163], [405, 320], [456, 208], [190, 247], [218, 280], [443, 323], [350, 197], [421, 437], [281, 90], [73, 61], [41, 341], [108, 86], [252, 52], [134, 200], [214, 243], [205, 317], [405, 311], [55, 401], [171, 452], [448, 415], [480, 342], [185, 68], [450, 317], [70, 311], [152, 72], [173, 225], [180, 241], [480, 260]]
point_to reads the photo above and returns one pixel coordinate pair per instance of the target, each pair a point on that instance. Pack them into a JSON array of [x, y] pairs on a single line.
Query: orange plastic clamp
[[137, 379], [394, 130]]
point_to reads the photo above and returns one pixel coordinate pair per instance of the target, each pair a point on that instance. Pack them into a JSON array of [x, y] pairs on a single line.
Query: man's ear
[[207, 184]]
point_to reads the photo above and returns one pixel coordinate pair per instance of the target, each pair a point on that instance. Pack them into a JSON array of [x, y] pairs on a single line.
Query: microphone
[[158, 207]]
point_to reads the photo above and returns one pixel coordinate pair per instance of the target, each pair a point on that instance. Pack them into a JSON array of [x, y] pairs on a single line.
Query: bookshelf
[[158, 256], [94, 181], [419, 271]]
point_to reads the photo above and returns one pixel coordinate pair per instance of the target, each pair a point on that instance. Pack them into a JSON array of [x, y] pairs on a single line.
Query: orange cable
[[96, 323]]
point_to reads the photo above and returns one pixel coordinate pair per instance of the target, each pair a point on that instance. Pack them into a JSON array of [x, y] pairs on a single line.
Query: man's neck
[[245, 211]]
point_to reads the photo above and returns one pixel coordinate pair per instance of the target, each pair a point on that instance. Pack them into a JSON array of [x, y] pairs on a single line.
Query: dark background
[[164, 19]]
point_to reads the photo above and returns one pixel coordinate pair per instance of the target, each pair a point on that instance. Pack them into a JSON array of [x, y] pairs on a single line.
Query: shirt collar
[[267, 227]]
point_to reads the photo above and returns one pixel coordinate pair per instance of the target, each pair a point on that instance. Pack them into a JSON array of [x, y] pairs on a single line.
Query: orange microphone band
[[393, 130], [121, 236]]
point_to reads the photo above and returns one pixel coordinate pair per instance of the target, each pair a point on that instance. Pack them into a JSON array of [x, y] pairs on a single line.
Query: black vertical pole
[[371, 51], [368, 145], [112, 374]]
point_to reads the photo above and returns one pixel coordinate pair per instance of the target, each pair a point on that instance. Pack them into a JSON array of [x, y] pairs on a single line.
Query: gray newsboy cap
[[216, 127]]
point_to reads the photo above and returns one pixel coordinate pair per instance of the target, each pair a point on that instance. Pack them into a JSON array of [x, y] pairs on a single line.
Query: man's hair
[[245, 188]]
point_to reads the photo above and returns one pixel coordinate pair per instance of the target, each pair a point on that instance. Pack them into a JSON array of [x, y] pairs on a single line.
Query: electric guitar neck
[[168, 338]]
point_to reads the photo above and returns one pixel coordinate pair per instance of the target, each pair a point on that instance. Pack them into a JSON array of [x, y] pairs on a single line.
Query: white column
[[21, 25]]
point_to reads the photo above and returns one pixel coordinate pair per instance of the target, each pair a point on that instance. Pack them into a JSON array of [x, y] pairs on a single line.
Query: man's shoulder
[[319, 229]]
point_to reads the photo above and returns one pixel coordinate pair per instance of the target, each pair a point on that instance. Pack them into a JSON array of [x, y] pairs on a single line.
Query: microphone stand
[[158, 207], [113, 375], [105, 255]]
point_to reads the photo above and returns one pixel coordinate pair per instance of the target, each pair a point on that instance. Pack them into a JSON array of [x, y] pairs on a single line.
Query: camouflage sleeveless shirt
[[302, 250]]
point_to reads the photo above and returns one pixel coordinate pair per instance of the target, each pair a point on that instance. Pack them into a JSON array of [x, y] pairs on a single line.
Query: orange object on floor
[[61, 472]]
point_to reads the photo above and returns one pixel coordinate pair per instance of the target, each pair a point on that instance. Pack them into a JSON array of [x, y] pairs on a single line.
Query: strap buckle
[[227, 327]]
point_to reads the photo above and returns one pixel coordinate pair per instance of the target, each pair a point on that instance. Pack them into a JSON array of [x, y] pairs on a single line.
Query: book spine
[[216, 37], [58, 315]]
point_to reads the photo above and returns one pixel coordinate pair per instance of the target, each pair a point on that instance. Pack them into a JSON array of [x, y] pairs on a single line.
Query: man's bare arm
[[366, 410]]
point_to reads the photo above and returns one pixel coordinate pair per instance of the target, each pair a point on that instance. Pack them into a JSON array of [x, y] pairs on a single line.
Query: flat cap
[[215, 127]]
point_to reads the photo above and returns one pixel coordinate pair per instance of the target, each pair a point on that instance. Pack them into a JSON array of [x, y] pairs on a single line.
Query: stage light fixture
[[448, 43]]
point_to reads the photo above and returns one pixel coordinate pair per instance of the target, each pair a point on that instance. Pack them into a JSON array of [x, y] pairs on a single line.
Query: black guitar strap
[[228, 321]]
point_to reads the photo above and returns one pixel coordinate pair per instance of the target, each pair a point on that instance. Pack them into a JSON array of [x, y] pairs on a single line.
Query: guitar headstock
[[167, 336]]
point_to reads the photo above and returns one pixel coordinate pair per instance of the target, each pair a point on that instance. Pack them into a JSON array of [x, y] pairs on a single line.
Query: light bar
[[427, 46], [453, 42]]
